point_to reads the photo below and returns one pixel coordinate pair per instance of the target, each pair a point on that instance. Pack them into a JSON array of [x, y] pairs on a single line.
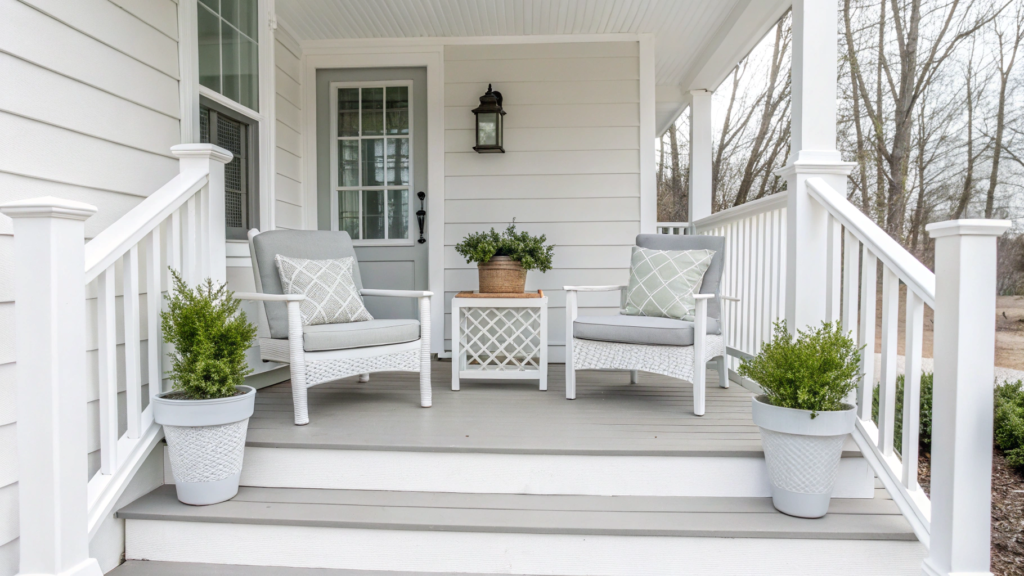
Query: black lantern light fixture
[[489, 123]]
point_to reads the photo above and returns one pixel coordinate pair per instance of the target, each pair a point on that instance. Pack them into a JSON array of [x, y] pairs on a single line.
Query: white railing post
[[814, 154], [961, 474], [211, 232], [49, 311]]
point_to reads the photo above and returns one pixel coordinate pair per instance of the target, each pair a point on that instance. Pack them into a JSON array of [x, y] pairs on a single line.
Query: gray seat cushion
[[712, 277], [638, 329], [324, 337], [308, 244]]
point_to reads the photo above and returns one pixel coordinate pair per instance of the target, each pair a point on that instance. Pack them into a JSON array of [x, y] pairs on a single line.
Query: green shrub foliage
[[210, 336], [522, 247], [925, 428], [815, 372], [1009, 421]]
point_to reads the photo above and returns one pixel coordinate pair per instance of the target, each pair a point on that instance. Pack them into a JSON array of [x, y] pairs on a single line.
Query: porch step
[[141, 568], [518, 534]]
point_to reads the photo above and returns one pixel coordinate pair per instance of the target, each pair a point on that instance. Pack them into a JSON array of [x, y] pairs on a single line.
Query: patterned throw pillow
[[663, 282], [331, 294]]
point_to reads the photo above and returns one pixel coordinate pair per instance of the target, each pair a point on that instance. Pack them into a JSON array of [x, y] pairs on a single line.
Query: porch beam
[[700, 155], [813, 154]]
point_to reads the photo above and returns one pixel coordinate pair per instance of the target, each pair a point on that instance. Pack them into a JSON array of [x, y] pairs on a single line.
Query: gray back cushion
[[712, 278], [309, 244]]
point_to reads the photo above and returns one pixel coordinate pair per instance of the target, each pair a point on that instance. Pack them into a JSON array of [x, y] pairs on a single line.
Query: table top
[[474, 294]]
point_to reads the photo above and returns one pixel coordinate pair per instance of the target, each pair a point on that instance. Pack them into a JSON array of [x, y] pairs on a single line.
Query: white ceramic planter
[[802, 454], [206, 439]]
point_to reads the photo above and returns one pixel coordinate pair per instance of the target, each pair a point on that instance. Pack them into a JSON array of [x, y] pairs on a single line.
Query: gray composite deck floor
[[609, 416], [853, 519]]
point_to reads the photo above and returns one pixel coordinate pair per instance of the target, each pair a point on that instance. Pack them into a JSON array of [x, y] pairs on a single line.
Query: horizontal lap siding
[[571, 169], [90, 112], [288, 153]]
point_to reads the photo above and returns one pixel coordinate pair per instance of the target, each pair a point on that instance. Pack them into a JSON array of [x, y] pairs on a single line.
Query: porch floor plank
[[861, 519], [608, 417]]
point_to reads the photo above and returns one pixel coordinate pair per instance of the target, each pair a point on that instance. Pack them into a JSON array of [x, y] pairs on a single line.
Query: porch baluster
[[132, 357], [887, 383]]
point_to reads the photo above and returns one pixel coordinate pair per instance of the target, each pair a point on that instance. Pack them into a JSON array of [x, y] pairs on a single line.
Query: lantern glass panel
[[487, 129]]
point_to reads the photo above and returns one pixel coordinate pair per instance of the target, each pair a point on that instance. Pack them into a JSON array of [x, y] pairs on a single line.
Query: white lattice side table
[[500, 336]]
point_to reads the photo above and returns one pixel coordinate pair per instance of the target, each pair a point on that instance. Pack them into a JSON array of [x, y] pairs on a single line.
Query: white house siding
[[571, 168], [89, 113], [288, 180]]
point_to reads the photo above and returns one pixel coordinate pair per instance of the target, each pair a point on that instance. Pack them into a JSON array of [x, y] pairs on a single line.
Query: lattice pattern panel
[[501, 338], [673, 361], [320, 371], [230, 135], [802, 464], [206, 453]]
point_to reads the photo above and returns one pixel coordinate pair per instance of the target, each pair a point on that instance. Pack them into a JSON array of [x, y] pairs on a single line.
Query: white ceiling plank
[[697, 42]]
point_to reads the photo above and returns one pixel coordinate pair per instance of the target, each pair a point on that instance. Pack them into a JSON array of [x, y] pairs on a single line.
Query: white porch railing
[[181, 225], [755, 264], [964, 329]]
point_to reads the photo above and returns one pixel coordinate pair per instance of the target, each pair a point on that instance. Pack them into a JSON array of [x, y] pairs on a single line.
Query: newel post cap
[[48, 207], [974, 227], [202, 151]]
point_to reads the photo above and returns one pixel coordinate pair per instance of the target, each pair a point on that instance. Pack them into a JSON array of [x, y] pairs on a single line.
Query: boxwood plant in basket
[[206, 414], [502, 260], [802, 414]]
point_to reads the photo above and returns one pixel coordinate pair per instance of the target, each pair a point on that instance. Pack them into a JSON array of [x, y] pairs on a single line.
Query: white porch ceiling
[[697, 42]]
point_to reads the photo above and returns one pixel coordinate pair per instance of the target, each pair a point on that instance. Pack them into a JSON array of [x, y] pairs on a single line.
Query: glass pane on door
[[398, 110], [348, 112], [373, 214], [348, 212], [398, 214], [373, 111]]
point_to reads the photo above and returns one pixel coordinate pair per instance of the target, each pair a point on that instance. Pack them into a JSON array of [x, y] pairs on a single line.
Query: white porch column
[[49, 313], [965, 308], [813, 154], [700, 155], [212, 225]]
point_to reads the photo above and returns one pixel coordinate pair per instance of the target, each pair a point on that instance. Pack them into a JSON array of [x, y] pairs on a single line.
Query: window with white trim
[[229, 49], [371, 161]]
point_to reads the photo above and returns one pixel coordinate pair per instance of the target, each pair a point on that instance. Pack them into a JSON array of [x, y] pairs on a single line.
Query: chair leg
[[570, 373], [297, 357], [723, 372], [426, 399], [700, 372], [634, 377], [364, 378]]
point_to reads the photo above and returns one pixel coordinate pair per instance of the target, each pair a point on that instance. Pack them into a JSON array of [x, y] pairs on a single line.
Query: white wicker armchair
[[324, 353], [660, 345]]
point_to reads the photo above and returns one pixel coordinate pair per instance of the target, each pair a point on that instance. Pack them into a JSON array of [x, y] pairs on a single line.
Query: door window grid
[[373, 162]]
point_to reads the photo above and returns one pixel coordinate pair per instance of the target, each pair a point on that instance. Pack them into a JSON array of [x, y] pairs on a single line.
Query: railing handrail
[[113, 242], [766, 204], [909, 269]]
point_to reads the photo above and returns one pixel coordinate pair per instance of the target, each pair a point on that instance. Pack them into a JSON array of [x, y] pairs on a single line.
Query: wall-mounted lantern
[[489, 123]]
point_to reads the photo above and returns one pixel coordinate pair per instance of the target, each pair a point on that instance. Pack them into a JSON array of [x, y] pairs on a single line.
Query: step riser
[[525, 473], [556, 554]]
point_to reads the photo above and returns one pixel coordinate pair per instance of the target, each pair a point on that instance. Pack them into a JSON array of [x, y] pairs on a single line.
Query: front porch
[[622, 480]]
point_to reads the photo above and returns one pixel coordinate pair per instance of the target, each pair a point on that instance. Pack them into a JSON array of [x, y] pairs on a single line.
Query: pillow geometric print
[[663, 282], [331, 295]]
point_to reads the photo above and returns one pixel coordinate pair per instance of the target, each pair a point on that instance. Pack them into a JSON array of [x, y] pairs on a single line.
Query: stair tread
[[146, 568], [862, 519]]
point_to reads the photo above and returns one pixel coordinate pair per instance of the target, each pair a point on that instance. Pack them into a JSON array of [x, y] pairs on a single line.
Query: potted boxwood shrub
[[802, 414], [206, 414], [502, 260]]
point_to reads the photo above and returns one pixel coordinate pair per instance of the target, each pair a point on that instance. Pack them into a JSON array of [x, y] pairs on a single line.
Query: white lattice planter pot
[[802, 454], [206, 441]]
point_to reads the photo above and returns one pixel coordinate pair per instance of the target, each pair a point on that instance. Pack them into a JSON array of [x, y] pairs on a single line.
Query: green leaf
[[522, 247]]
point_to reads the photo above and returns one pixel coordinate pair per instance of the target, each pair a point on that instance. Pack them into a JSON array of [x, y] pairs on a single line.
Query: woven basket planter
[[502, 275], [802, 454], [206, 441]]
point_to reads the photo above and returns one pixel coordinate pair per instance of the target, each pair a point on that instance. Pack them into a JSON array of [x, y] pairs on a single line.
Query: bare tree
[[1006, 63]]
